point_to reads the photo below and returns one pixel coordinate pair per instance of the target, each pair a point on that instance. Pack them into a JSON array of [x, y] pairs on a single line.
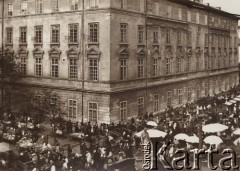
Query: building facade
[[111, 60]]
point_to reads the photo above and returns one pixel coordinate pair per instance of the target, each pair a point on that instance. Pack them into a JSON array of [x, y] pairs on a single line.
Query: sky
[[232, 6]]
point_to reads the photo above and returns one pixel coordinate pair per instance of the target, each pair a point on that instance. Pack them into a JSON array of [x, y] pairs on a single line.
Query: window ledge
[[22, 43], [54, 43], [93, 43], [123, 43], [38, 44], [73, 43]]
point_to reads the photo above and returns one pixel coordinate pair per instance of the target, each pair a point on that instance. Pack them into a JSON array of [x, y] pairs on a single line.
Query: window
[[93, 69], [38, 34], [140, 68], [23, 35], [73, 33], [94, 3], [179, 96], [55, 6], [55, 34], [37, 101], [179, 37], [214, 86], [198, 91], [72, 108], [140, 106], [73, 5], [9, 35], [54, 67], [155, 37], [168, 36], [38, 67], [10, 9], [93, 112], [122, 4], [123, 69], [23, 65], [198, 38], [24, 7], [123, 111], [73, 68], [179, 64], [189, 38], [205, 88], [140, 34], [205, 61], [155, 67], [179, 13], [188, 63], [93, 32], [39, 6], [123, 29], [169, 98], [189, 16], [189, 95], [168, 66], [197, 62], [197, 18], [156, 103], [206, 39]]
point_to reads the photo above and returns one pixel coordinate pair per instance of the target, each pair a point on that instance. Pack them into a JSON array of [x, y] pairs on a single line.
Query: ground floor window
[[140, 106], [123, 111], [93, 111], [72, 108]]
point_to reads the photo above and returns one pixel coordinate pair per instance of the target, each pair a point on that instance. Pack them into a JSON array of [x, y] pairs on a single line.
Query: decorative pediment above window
[[198, 50], [189, 51], [179, 53], [93, 52], [54, 52], [22, 52], [235, 51], [38, 52], [141, 53], [73, 52], [168, 54], [156, 53], [123, 52], [206, 50]]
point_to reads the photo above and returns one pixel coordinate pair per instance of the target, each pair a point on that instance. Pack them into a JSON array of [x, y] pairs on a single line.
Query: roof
[[193, 4]]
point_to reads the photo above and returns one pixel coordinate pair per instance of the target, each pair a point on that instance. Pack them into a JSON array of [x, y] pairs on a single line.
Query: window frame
[[72, 108], [140, 106], [123, 69], [38, 37], [54, 67], [123, 33], [23, 35], [73, 33], [9, 35], [93, 69], [156, 103], [38, 66], [93, 109], [72, 68], [123, 111], [55, 34], [140, 67], [39, 6], [93, 29]]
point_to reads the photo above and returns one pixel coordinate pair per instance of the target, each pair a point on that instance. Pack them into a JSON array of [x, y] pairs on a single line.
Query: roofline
[[193, 4]]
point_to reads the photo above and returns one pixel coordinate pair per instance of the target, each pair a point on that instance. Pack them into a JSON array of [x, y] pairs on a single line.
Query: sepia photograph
[[119, 85]]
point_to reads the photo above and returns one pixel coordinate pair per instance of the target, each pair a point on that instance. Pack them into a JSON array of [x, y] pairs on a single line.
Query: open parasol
[[153, 133], [181, 136], [216, 127], [237, 131], [213, 139], [152, 123]]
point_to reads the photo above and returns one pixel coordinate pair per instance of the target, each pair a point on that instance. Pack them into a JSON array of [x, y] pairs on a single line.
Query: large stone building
[[111, 60]]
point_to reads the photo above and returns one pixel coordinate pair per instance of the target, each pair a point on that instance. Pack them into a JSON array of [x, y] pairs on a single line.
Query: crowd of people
[[104, 144]]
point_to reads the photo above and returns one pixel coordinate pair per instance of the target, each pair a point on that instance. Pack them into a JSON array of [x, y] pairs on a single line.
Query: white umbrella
[[232, 101], [216, 127], [237, 141], [237, 99], [181, 136], [238, 96], [152, 123], [236, 132], [153, 133], [4, 147], [193, 139], [213, 139], [228, 103]]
